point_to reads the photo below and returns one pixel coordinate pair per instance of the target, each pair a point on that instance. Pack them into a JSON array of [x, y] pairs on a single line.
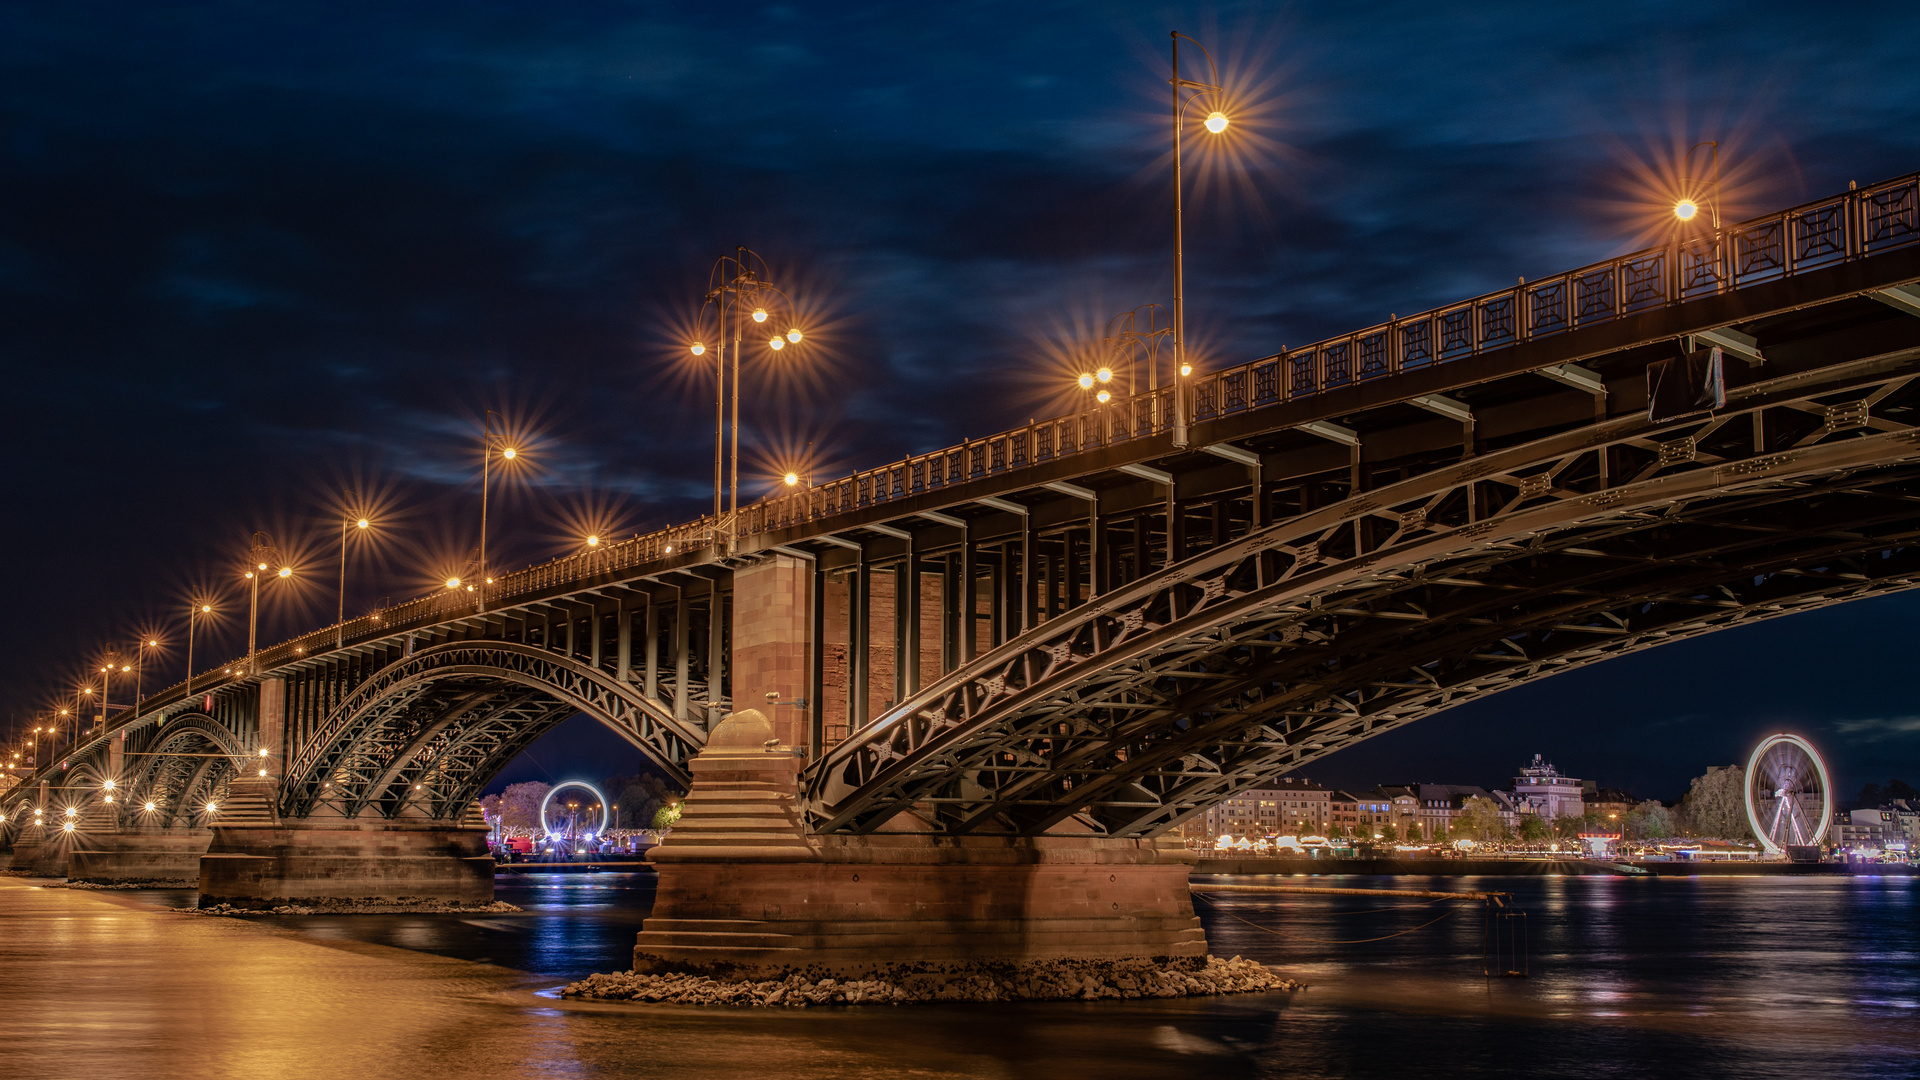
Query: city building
[[1439, 804], [1609, 804], [1871, 832], [1906, 815], [1362, 814], [1287, 806], [1540, 789]]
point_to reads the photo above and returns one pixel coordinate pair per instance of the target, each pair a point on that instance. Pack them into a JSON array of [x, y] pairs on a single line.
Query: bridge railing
[[1812, 236]]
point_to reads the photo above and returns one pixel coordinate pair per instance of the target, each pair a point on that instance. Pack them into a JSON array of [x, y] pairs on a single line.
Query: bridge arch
[[1158, 699], [188, 762], [424, 734]]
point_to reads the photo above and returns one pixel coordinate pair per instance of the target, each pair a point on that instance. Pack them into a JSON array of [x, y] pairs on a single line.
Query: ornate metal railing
[[1812, 236]]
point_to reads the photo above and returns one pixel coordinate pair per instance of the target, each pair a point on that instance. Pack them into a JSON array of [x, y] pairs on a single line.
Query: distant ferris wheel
[[1789, 800]]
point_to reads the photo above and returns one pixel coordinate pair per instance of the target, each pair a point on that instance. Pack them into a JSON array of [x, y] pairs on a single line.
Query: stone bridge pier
[[257, 858], [745, 891]]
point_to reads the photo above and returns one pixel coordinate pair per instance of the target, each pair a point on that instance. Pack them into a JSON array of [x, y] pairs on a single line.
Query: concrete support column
[[772, 628]]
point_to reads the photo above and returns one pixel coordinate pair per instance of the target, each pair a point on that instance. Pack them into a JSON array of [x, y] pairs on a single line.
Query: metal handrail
[[1811, 236]]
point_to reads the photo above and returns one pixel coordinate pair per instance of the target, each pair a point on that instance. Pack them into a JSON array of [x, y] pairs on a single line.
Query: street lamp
[[737, 282], [140, 672], [492, 442], [1211, 96], [194, 611], [1688, 208], [259, 556], [361, 525], [106, 681]]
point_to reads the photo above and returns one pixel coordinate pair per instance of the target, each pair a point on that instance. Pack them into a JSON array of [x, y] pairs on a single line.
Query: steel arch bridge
[[1124, 615], [1158, 699], [423, 734]]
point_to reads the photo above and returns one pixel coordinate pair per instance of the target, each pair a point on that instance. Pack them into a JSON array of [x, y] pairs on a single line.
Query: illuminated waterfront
[[1632, 977]]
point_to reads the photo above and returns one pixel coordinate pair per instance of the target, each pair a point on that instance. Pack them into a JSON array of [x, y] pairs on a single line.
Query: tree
[[1389, 834], [1532, 829], [639, 797], [1567, 827], [1716, 804], [1440, 834], [1650, 821], [664, 817], [519, 806], [1479, 819], [1873, 796]]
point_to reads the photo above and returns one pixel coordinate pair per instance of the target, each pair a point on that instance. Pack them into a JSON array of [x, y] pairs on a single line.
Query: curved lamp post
[[1211, 97], [1687, 208], [492, 443], [362, 525]]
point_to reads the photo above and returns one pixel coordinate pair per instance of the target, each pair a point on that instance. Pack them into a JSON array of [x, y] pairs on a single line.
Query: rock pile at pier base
[[903, 984]]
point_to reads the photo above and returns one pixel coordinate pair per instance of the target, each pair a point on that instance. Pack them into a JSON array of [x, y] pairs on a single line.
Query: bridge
[[1070, 636]]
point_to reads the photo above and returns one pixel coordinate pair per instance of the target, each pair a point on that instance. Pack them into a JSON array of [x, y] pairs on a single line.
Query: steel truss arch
[[1160, 698], [162, 775], [425, 732]]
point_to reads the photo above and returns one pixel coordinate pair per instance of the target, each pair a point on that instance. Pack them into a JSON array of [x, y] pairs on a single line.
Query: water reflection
[[1631, 977]]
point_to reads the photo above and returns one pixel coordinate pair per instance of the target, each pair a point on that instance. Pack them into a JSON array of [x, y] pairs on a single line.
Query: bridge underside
[[420, 738], [1262, 655]]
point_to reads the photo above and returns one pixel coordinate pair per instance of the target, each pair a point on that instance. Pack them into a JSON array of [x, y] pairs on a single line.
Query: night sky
[[260, 261]]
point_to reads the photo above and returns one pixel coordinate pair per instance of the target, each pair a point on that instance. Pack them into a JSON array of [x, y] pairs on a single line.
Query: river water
[[1629, 977]]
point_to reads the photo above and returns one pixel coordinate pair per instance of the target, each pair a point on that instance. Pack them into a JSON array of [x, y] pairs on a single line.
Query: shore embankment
[[1541, 867]]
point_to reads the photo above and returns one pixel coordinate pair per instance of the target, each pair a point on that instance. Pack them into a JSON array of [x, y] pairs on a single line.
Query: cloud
[[1878, 728]]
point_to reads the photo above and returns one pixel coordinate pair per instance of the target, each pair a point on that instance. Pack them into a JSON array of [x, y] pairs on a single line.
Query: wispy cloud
[[1878, 728]]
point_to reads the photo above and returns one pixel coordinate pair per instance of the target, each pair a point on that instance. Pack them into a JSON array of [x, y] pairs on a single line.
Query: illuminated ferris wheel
[[1789, 800], [573, 817]]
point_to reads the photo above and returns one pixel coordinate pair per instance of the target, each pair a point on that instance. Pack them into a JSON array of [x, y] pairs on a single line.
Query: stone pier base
[[48, 857], [261, 865], [139, 855], [745, 893], [869, 903]]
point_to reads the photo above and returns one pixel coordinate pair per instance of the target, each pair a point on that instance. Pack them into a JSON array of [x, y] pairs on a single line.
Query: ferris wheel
[[576, 817], [1789, 800]]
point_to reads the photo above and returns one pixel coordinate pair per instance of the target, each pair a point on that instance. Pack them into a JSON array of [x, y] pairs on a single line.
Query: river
[[1630, 977]]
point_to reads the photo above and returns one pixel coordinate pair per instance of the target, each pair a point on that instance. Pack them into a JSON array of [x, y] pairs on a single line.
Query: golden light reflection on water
[[1698, 975]]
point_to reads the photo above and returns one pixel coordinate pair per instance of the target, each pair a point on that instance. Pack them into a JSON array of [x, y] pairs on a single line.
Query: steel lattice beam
[[1169, 694]]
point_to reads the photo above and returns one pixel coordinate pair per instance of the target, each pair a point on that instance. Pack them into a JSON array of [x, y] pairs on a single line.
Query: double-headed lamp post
[[737, 284], [262, 553], [106, 678], [1185, 93]]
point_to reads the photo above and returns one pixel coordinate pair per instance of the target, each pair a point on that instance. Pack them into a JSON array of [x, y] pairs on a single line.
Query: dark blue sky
[[254, 256]]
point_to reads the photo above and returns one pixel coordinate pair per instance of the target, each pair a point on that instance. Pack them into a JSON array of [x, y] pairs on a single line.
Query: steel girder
[[186, 762], [425, 733], [1158, 699]]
